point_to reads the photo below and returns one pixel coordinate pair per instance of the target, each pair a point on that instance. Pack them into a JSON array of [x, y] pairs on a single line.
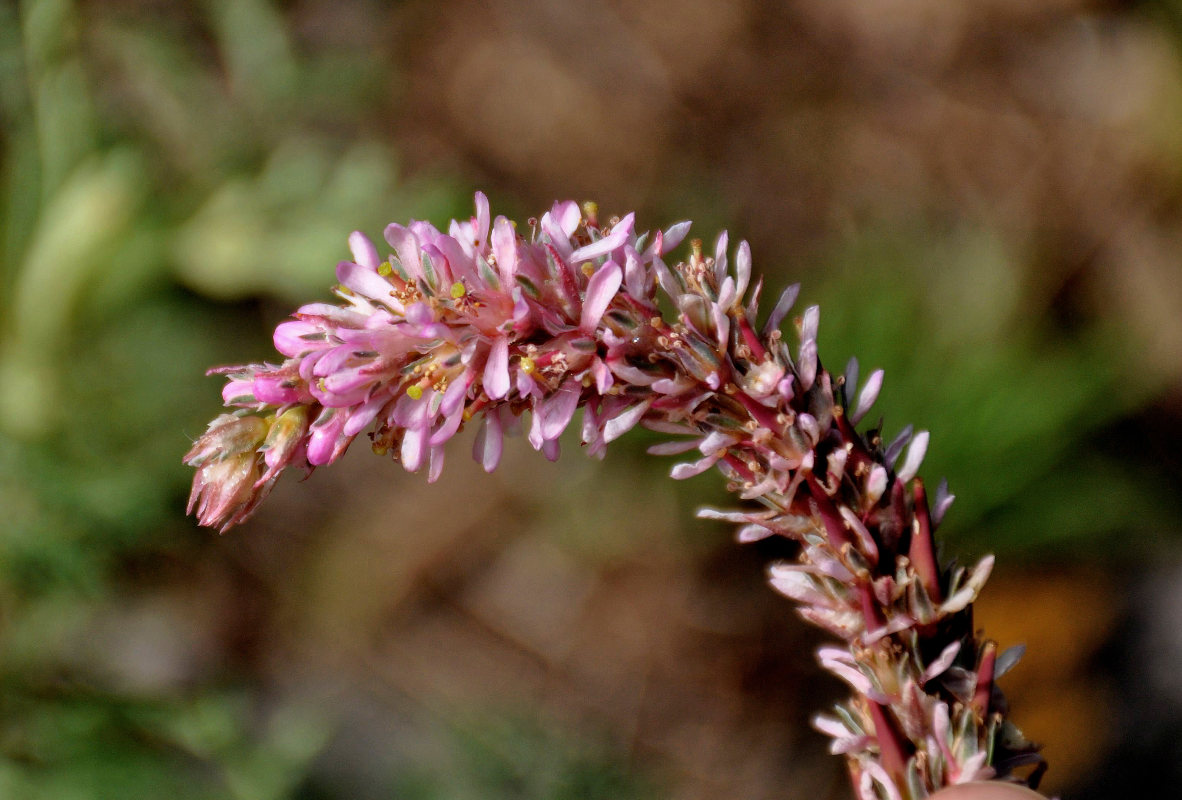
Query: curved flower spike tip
[[485, 322]]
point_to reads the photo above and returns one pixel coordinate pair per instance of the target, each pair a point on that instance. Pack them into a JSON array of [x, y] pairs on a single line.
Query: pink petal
[[683, 471], [448, 429], [244, 391], [558, 409], [867, 396], [435, 468], [602, 375], [742, 269], [600, 290], [942, 662], [720, 256], [559, 238], [489, 441], [915, 454], [323, 445], [619, 234], [568, 216], [364, 281], [621, 424], [289, 338], [674, 235], [414, 447], [364, 414], [496, 369], [781, 309], [752, 533], [482, 219], [504, 246], [457, 393], [635, 276], [406, 245], [364, 253]]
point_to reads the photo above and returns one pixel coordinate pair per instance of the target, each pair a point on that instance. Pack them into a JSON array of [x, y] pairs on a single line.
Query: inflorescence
[[485, 322]]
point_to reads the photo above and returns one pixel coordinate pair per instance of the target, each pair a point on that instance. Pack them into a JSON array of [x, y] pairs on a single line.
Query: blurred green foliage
[[146, 169]]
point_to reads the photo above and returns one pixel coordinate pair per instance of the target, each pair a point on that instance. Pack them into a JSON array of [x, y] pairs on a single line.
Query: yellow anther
[[527, 365], [588, 269], [385, 268], [414, 391], [458, 290]]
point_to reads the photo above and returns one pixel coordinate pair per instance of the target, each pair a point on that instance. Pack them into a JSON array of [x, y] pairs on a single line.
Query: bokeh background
[[985, 198]]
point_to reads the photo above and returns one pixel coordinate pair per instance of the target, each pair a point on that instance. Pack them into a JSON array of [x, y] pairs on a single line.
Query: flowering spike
[[484, 324]]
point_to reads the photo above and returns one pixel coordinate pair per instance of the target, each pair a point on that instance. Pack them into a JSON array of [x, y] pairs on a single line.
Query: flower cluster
[[483, 323]]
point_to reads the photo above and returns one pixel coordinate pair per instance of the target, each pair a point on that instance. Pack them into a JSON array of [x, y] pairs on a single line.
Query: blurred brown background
[[985, 199]]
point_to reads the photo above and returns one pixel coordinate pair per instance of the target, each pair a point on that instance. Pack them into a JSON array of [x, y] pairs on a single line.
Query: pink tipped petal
[[567, 216], [444, 432], [551, 449], [867, 396], [602, 375], [296, 338], [621, 424], [414, 447], [496, 369], [419, 314], [406, 245], [558, 409], [489, 442], [364, 281], [364, 414], [742, 270], [674, 235], [942, 662], [600, 290], [726, 294], [618, 236], [942, 502], [682, 471], [635, 276], [435, 467], [809, 324], [669, 284], [482, 221], [752, 533], [720, 256], [504, 248], [323, 445], [781, 309], [554, 230], [915, 454], [364, 253], [456, 394], [892, 451]]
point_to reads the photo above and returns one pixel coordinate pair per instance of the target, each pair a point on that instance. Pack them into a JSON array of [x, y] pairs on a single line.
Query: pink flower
[[487, 322]]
